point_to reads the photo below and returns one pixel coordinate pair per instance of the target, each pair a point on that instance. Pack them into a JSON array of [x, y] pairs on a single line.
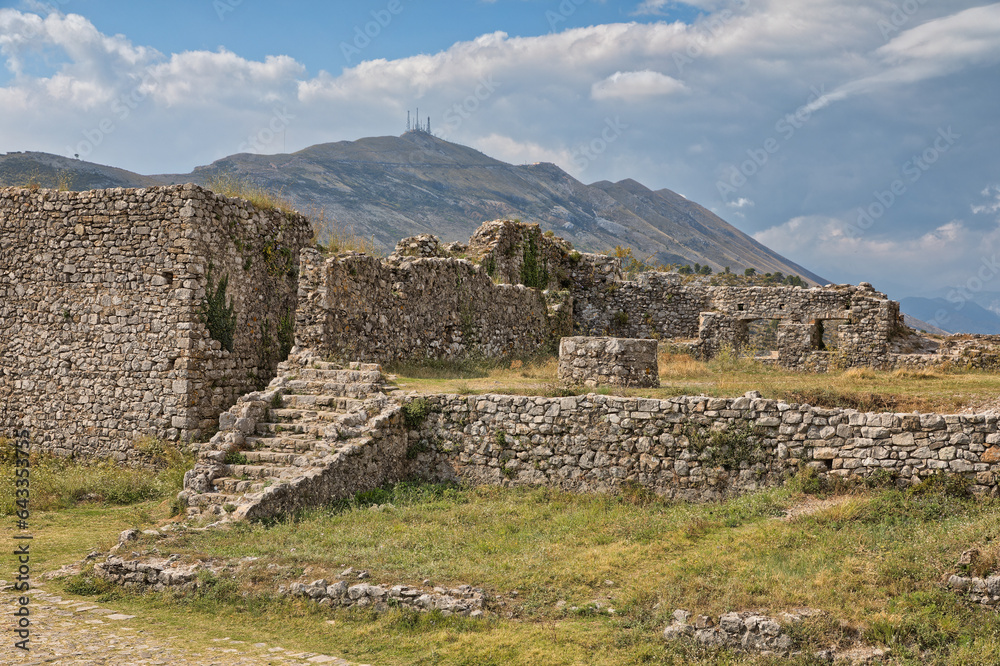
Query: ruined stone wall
[[598, 443], [358, 307], [101, 337], [654, 305], [858, 322]]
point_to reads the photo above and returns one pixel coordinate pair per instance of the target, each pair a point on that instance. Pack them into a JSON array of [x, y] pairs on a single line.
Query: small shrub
[[415, 412], [235, 458], [948, 485], [808, 482], [637, 494], [729, 448], [88, 585], [216, 314], [416, 448]]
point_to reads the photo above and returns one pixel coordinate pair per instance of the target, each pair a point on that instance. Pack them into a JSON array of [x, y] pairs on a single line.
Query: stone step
[[321, 402], [285, 443], [285, 415], [313, 429], [343, 389], [218, 498], [269, 457], [343, 376], [250, 472], [238, 487]]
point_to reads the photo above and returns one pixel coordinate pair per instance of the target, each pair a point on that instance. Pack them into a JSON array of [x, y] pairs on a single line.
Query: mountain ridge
[[391, 187]]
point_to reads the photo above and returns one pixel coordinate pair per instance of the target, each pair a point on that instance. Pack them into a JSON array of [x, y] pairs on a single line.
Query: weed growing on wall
[[216, 314], [286, 335], [534, 271], [415, 411], [728, 448], [240, 187]]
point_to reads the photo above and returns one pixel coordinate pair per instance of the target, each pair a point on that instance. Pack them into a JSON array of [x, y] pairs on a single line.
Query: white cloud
[[935, 48], [991, 207], [690, 99], [631, 86], [520, 152], [831, 246]]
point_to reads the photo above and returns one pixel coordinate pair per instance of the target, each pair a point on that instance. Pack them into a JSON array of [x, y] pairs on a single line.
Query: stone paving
[[67, 631]]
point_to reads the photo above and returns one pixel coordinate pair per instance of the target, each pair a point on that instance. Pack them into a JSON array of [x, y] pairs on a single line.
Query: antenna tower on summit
[[415, 125]]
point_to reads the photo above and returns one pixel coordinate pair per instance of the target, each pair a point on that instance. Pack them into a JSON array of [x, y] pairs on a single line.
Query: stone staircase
[[319, 432]]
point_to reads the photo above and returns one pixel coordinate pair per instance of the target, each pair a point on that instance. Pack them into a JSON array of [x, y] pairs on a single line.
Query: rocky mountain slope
[[387, 188]]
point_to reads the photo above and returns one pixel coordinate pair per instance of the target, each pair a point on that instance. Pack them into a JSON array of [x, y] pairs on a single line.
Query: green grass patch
[[60, 483], [870, 561]]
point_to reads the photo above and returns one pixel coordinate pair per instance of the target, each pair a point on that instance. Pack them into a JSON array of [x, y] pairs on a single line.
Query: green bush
[[216, 314], [235, 458], [415, 411]]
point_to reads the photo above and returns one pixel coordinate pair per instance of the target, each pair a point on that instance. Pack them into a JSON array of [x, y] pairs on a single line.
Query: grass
[[871, 561], [945, 391], [331, 238], [238, 187], [59, 483]]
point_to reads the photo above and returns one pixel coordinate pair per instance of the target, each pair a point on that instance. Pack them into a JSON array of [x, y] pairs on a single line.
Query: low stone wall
[[159, 574], [608, 361], [466, 601], [693, 448], [985, 591]]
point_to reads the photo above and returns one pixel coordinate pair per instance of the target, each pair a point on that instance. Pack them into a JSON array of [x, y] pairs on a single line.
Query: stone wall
[[812, 328], [608, 361], [692, 448], [653, 305], [101, 329], [358, 307]]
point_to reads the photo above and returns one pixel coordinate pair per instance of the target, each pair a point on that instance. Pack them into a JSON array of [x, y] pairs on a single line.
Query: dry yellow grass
[[864, 389], [231, 185]]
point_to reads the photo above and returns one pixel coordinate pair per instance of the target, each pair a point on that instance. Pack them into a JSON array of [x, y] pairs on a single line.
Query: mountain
[[391, 187], [49, 170], [970, 318]]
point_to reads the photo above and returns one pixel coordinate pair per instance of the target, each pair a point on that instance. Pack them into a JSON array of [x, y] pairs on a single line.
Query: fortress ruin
[[150, 312]]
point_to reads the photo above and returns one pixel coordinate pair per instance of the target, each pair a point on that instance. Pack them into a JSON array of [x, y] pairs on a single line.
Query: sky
[[859, 139]]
